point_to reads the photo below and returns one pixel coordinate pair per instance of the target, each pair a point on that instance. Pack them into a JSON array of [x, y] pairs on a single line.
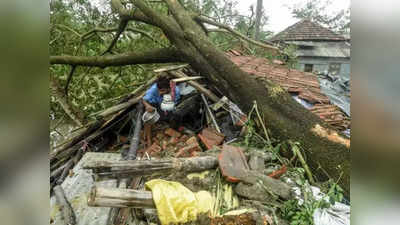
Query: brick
[[173, 140], [160, 135], [192, 141], [183, 138], [172, 133], [191, 146], [154, 148], [242, 121], [209, 137]]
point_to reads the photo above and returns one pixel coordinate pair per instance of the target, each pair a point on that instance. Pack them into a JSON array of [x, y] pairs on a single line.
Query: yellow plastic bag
[[177, 204]]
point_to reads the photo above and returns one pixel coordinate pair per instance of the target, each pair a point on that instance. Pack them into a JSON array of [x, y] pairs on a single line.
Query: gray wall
[[322, 63]]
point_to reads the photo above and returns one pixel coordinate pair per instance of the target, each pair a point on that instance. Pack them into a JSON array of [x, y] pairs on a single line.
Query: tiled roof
[[306, 30], [305, 85]]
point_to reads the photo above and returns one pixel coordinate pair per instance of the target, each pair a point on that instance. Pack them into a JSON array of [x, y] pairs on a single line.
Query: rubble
[[198, 157]]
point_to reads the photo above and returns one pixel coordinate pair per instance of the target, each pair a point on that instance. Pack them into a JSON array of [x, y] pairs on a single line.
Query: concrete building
[[318, 48]]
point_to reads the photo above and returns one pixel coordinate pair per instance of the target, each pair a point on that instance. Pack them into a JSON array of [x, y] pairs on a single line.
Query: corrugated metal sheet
[[76, 188], [338, 49]]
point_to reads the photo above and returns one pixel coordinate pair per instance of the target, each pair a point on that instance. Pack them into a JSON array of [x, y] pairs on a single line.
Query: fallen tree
[[327, 151]]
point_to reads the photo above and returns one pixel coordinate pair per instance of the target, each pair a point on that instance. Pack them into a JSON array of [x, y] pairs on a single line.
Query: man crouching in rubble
[[159, 97], [154, 97]]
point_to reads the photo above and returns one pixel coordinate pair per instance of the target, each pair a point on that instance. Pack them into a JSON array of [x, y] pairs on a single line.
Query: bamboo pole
[[129, 168], [120, 198]]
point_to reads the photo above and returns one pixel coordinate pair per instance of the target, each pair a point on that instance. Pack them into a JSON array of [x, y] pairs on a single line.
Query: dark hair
[[163, 83]]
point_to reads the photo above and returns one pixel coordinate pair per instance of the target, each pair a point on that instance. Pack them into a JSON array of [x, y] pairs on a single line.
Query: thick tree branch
[[130, 15], [162, 21], [88, 34], [164, 55], [233, 32]]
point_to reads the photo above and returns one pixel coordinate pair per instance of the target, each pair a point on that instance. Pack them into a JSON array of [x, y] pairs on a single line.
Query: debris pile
[[195, 172]]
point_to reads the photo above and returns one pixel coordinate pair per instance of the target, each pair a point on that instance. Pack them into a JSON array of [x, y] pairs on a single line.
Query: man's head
[[163, 85]]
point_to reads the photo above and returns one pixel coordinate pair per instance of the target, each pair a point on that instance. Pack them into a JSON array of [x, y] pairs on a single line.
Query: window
[[308, 68], [334, 68]]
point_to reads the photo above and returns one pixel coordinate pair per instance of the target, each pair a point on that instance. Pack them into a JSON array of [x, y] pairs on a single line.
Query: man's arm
[[148, 107]]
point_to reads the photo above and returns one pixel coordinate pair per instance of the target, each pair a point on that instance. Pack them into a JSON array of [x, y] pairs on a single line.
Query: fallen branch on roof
[[236, 33]]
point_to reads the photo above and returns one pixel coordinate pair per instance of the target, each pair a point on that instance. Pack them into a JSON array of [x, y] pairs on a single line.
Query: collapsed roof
[[303, 86]]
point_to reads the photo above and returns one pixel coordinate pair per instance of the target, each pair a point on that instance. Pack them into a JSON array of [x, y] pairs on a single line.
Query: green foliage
[[94, 89], [302, 214], [290, 53], [91, 89], [317, 10]]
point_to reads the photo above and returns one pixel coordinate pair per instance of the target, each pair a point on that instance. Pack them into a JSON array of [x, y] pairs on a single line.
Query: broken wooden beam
[[210, 113], [136, 134], [196, 85], [129, 168], [120, 198]]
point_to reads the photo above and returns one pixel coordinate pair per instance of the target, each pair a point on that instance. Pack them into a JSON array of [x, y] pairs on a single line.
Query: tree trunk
[[286, 119], [258, 19], [326, 150]]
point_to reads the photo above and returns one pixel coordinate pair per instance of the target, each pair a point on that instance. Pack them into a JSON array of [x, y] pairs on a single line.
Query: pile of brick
[[170, 142]]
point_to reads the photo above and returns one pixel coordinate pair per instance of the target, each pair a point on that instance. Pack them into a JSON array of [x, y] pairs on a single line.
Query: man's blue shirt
[[153, 97]]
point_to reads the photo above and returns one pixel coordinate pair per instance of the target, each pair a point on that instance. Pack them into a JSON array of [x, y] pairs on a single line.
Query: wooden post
[[120, 198], [130, 168], [136, 134]]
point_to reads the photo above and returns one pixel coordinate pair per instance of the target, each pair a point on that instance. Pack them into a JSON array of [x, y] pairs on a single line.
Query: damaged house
[[319, 50]]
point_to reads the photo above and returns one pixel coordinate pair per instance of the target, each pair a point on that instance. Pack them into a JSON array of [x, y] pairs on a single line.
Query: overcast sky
[[279, 14]]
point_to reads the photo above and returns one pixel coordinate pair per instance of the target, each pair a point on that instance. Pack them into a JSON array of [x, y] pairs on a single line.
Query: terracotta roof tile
[[307, 30], [305, 85]]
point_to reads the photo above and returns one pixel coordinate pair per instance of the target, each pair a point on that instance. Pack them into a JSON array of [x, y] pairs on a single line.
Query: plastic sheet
[[304, 103], [338, 214], [177, 204]]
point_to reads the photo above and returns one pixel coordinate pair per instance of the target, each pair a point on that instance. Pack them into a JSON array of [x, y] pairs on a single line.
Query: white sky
[[279, 14]]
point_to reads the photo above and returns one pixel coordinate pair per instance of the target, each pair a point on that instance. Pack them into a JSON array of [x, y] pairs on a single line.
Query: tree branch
[[163, 22], [130, 15], [164, 55], [121, 27], [76, 115], [69, 81], [233, 32]]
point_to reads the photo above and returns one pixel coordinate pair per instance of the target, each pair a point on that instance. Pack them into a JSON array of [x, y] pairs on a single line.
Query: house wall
[[322, 63]]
